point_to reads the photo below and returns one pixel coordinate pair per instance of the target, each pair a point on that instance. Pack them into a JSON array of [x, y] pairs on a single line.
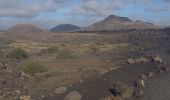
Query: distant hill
[[65, 28], [25, 28], [113, 22]]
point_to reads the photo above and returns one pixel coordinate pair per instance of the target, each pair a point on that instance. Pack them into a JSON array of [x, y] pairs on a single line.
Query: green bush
[[17, 53], [66, 54], [32, 67]]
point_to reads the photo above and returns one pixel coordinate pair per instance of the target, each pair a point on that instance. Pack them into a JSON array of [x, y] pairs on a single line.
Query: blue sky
[[49, 13]]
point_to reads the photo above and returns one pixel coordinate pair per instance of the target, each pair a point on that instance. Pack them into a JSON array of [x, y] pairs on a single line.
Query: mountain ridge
[[114, 22]]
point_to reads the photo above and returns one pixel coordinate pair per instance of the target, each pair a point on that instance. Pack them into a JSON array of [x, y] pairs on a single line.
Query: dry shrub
[[17, 53], [33, 67]]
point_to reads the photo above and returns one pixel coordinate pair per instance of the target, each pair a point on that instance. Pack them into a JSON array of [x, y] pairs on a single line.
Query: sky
[[49, 13]]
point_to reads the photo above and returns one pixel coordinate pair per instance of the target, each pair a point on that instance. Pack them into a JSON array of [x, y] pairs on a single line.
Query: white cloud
[[97, 7], [24, 8]]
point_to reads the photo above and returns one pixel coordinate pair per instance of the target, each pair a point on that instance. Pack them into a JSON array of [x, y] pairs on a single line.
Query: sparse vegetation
[[17, 53], [49, 50], [66, 53], [40, 64], [33, 67], [52, 49], [51, 74], [62, 45], [93, 49]]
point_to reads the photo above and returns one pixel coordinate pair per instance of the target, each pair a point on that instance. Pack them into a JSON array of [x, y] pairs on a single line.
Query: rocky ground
[[149, 81], [109, 69], [158, 88]]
